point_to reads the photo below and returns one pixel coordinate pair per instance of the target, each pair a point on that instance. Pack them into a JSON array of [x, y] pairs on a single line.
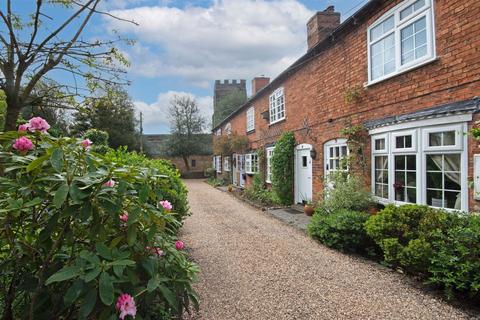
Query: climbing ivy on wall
[[282, 168]]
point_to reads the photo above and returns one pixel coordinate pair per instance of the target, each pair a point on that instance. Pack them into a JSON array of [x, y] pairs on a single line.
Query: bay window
[[401, 39], [425, 165]]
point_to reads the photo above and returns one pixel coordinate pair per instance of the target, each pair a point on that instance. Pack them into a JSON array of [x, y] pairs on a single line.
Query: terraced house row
[[406, 70]]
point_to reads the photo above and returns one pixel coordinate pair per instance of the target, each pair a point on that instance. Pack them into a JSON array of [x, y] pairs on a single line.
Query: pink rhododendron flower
[[86, 144], [110, 183], [166, 205], [23, 144], [123, 217], [38, 124], [126, 306], [179, 245], [155, 250], [23, 127]]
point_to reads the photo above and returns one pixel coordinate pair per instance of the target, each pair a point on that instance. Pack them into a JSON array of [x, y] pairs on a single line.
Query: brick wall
[[316, 109]]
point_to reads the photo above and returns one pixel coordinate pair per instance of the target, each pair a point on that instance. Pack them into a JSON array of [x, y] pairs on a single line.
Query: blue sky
[[183, 46]]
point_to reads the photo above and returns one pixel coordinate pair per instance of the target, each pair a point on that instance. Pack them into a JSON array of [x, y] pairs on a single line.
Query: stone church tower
[[223, 90]]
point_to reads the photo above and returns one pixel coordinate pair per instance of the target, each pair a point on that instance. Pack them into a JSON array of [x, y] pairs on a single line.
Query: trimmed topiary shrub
[[82, 235], [282, 168], [406, 233], [342, 229]]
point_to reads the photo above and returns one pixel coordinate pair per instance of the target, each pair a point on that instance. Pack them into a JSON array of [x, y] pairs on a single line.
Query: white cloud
[[155, 115], [229, 39]]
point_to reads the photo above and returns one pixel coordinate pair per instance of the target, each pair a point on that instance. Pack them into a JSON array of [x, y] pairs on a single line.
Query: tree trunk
[[13, 111], [187, 165]]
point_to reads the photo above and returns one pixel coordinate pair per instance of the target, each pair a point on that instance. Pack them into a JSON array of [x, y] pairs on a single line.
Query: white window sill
[[277, 121], [400, 203], [402, 71]]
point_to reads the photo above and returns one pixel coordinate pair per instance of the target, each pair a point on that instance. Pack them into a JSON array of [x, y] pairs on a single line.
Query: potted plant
[[230, 188], [308, 208]]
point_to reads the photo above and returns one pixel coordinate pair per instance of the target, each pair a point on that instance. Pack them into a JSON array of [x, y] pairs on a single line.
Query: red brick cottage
[[408, 71]]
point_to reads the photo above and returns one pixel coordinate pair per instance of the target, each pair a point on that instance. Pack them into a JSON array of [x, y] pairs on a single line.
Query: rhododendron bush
[[83, 236]]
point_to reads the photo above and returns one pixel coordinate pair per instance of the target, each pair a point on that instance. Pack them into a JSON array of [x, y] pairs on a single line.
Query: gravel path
[[256, 267]]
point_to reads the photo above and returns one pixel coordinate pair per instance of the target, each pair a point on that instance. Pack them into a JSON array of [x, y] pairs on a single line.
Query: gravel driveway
[[256, 267]]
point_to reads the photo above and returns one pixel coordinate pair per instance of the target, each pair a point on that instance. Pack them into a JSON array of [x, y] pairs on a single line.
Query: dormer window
[[401, 40], [228, 129]]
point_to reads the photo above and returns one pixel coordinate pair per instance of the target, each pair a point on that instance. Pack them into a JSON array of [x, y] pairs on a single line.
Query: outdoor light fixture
[[313, 153]]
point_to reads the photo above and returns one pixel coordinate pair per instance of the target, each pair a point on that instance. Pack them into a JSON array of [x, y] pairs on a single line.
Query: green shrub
[[342, 229], [282, 168], [405, 234], [210, 172], [99, 139], [455, 264], [65, 252], [346, 192], [258, 193]]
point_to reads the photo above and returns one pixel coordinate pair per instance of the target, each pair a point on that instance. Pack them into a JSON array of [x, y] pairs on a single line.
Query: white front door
[[303, 173]]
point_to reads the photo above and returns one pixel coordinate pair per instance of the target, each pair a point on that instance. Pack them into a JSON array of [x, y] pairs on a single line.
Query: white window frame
[[380, 137], [250, 119], [421, 133], [218, 164], [226, 163], [228, 129], [426, 11], [269, 153], [340, 142], [251, 163], [275, 108]]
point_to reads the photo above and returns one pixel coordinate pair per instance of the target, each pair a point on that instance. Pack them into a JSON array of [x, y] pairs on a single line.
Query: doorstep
[[292, 217]]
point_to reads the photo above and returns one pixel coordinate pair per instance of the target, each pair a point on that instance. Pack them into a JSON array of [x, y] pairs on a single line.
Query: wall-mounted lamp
[[313, 153]]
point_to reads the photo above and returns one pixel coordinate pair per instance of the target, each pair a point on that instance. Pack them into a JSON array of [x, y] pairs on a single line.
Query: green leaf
[[106, 289], [64, 274], [124, 262], [33, 202], [152, 284], [149, 266], [60, 195], [88, 304], [92, 274], [86, 211], [143, 194], [36, 163], [169, 296], [76, 194], [57, 160], [73, 293], [118, 270], [131, 235], [104, 251]]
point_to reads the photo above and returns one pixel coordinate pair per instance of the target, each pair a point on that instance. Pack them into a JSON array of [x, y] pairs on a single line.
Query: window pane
[[434, 162], [304, 161], [411, 179], [449, 138], [434, 180], [400, 178], [408, 141], [388, 24], [452, 200], [414, 40], [399, 142], [411, 195], [399, 162], [452, 181], [344, 151], [435, 139], [411, 163], [380, 144], [434, 198], [399, 194], [452, 162], [419, 4]]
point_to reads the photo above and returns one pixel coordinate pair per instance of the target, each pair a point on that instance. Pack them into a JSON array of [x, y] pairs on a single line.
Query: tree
[[111, 111], [32, 45], [227, 105], [186, 125], [3, 109]]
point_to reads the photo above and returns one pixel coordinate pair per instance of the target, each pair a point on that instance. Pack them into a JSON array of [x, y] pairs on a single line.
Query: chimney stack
[[259, 83], [321, 25]]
